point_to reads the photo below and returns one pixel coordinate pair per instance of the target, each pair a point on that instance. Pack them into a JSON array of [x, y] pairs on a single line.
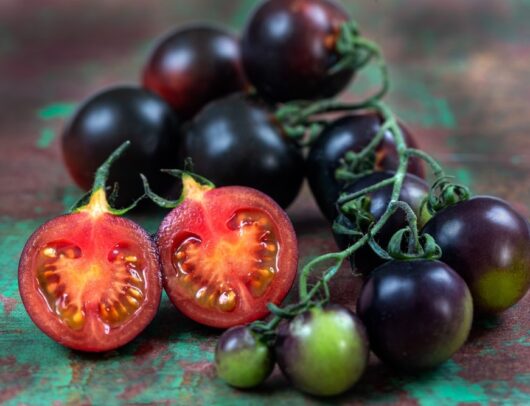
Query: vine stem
[[398, 180], [379, 185], [433, 163]]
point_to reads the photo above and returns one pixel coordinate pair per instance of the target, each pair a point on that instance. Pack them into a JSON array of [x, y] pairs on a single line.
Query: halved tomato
[[226, 253], [90, 279]]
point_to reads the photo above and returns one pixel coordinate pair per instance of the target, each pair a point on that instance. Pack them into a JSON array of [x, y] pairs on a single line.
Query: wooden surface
[[460, 73]]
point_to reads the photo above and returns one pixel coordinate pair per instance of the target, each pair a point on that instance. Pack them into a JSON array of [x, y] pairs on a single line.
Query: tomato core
[[246, 251]]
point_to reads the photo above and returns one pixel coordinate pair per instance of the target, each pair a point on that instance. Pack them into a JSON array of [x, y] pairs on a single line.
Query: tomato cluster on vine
[[252, 114]]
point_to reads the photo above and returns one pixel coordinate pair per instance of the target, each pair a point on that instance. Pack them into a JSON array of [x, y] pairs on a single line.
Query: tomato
[[226, 253], [106, 120], [89, 279], [289, 47], [351, 133], [417, 313], [323, 352], [236, 141], [242, 360], [192, 66], [413, 192], [488, 243]]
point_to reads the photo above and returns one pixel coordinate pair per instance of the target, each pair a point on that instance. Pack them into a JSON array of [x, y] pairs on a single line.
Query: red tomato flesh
[[90, 282], [226, 253]]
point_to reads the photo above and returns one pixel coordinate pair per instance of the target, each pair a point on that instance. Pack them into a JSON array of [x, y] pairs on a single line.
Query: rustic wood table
[[461, 80]]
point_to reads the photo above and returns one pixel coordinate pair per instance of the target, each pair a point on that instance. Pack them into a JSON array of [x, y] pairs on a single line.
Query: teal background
[[460, 74]]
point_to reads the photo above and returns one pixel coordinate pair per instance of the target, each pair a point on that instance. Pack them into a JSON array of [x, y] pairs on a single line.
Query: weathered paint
[[460, 79]]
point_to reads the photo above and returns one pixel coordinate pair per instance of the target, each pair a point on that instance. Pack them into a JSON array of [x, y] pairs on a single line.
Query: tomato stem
[[102, 174], [298, 118], [356, 53]]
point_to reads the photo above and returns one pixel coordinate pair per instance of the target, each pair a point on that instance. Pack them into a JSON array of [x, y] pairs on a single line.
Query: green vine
[[301, 121]]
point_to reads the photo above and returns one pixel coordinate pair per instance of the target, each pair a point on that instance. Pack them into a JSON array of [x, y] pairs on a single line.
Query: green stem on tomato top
[[356, 52], [95, 201]]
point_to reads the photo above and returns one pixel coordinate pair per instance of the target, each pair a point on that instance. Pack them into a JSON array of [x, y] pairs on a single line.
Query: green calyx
[[301, 120], [193, 187], [405, 246], [95, 202], [444, 193]]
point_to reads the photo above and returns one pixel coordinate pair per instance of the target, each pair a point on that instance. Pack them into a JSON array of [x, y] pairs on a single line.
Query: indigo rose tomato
[[488, 243], [323, 351], [241, 359], [413, 192], [194, 65], [226, 253], [108, 119], [417, 313], [90, 279], [289, 47], [236, 141], [351, 133]]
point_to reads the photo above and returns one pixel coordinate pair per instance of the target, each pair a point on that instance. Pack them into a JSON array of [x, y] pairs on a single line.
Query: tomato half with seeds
[[90, 279], [226, 253]]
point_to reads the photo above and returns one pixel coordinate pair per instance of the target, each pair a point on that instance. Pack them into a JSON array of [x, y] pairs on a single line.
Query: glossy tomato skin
[[323, 352], [417, 313], [351, 133], [75, 230], [413, 192], [108, 119], [192, 66], [241, 359], [236, 141], [488, 243], [211, 220], [289, 46]]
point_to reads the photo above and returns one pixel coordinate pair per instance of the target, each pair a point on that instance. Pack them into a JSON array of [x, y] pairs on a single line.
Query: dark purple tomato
[[241, 359], [413, 192], [236, 141], [192, 66], [351, 133], [289, 46], [108, 119], [323, 351], [417, 313], [488, 243]]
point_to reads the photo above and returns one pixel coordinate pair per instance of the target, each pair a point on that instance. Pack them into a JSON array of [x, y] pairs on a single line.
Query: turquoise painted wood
[[460, 81]]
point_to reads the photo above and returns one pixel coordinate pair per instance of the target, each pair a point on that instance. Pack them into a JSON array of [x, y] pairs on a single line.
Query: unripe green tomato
[[323, 352], [241, 359]]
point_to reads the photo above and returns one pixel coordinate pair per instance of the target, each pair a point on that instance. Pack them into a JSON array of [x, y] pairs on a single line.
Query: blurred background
[[460, 73]]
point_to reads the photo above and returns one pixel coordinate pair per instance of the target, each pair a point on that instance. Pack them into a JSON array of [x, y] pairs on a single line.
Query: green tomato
[[241, 359], [323, 351]]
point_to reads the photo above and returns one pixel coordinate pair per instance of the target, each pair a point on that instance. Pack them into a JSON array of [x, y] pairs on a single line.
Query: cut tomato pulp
[[226, 253], [90, 282]]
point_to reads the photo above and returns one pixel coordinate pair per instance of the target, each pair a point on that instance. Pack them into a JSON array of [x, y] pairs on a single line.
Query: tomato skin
[[417, 313], [488, 243], [323, 352], [241, 359], [209, 67], [109, 118], [351, 133], [79, 228], [288, 49], [236, 141], [206, 218], [413, 192]]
